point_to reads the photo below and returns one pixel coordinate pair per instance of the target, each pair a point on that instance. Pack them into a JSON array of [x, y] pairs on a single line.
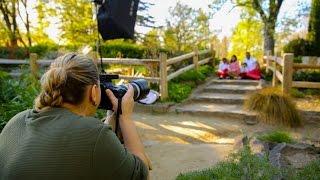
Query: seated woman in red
[[234, 68], [223, 68]]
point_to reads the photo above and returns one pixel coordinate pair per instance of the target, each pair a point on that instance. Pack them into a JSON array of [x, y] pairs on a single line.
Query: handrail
[[180, 58]]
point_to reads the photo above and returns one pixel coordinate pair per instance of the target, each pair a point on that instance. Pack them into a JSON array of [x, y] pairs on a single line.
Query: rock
[[257, 147], [293, 155]]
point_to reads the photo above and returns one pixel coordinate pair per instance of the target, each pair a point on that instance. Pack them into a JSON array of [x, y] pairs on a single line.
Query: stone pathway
[[221, 98]]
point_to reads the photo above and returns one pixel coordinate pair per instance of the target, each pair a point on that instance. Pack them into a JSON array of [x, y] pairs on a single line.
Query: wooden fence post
[[287, 71], [274, 76], [213, 54], [196, 58], [163, 76], [34, 65], [268, 61]]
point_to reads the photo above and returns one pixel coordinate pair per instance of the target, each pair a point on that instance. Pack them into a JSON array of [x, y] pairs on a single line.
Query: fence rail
[[158, 67], [285, 74]]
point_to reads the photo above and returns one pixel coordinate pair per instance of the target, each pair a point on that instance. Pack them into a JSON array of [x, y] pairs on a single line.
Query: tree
[[143, 17], [170, 39], [314, 26], [247, 37], [151, 39], [26, 20], [202, 33], [8, 10], [181, 26], [268, 11]]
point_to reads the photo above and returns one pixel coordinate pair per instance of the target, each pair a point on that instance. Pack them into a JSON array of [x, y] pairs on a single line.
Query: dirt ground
[[181, 143]]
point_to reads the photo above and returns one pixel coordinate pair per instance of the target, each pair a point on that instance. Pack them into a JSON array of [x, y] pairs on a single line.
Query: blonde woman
[[59, 138]]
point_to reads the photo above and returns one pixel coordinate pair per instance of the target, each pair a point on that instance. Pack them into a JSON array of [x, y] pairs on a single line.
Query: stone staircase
[[221, 98]]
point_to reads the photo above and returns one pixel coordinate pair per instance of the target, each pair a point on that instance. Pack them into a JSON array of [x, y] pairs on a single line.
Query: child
[[234, 68], [223, 69]]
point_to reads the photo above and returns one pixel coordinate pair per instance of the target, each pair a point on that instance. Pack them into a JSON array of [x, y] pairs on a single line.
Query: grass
[[273, 107], [245, 165], [276, 137], [241, 165]]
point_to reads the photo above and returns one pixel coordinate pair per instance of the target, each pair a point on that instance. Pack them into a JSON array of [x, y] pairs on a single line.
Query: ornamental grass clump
[[274, 107]]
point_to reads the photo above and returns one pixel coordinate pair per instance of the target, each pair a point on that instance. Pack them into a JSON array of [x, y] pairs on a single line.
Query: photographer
[[59, 138]]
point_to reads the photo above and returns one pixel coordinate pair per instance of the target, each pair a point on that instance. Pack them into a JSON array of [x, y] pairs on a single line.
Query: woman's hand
[[127, 103]]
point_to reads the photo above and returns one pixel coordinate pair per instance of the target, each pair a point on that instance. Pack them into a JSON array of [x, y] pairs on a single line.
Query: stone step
[[230, 88], [235, 112], [235, 82], [219, 98]]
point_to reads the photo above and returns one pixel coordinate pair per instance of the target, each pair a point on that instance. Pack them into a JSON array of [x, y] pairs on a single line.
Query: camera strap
[[117, 128]]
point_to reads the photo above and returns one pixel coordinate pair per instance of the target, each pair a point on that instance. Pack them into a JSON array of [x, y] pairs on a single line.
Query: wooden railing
[[160, 77], [287, 68]]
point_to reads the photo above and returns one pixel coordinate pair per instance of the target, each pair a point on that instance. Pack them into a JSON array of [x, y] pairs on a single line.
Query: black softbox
[[116, 19]]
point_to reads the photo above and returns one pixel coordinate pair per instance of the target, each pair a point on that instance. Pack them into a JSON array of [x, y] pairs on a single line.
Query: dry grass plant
[[274, 108]]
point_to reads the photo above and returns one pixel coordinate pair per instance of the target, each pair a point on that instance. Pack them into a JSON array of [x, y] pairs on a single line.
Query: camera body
[[140, 88]]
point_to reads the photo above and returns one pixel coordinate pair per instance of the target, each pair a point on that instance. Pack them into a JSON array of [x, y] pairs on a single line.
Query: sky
[[222, 23]]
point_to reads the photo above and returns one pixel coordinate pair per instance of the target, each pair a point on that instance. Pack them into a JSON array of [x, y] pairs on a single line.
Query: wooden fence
[[283, 69], [158, 68]]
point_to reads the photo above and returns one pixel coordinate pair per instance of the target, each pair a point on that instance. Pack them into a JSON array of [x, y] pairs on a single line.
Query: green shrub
[[127, 50], [13, 53], [16, 95], [179, 91], [299, 47], [307, 75], [241, 165], [276, 137], [245, 165], [296, 93], [274, 107], [43, 49]]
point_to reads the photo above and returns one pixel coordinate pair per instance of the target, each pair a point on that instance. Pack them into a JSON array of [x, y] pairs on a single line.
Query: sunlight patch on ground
[[144, 126], [201, 135], [196, 124]]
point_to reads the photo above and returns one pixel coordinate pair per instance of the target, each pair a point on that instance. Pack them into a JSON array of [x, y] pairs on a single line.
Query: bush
[[181, 87], [245, 165], [296, 93], [43, 49], [276, 137], [179, 91], [274, 107], [16, 95], [127, 50], [13, 53], [299, 47], [311, 75], [241, 165]]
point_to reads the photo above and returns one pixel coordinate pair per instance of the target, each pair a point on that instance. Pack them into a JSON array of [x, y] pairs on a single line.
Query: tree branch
[[257, 6]]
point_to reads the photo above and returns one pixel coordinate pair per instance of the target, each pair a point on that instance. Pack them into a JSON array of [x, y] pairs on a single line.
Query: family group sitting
[[249, 69]]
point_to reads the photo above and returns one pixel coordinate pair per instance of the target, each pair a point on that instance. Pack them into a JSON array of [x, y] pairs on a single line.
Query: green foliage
[[247, 37], [43, 49], [314, 27], [299, 47], [245, 165], [311, 75], [276, 137], [181, 87], [274, 107], [179, 91], [13, 53], [124, 49], [16, 95], [296, 93], [310, 171], [241, 165]]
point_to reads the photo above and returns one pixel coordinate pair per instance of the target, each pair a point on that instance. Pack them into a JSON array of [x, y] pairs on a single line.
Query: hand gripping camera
[[140, 88]]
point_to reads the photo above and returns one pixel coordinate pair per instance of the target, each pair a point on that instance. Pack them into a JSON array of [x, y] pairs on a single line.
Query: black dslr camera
[[140, 87]]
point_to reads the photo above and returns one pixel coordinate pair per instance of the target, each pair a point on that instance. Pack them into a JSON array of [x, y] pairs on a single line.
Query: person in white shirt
[[252, 70], [223, 69], [250, 61]]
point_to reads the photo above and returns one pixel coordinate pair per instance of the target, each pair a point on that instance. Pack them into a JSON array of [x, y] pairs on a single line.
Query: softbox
[[116, 19]]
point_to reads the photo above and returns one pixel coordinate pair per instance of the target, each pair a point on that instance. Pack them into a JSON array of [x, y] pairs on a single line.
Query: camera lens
[[141, 89]]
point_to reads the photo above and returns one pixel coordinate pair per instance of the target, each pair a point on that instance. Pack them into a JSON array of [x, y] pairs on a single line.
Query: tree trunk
[[269, 41]]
